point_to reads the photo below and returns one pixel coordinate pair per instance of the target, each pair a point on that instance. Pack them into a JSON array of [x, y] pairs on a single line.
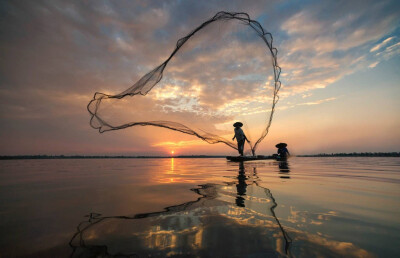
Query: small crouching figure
[[283, 152]]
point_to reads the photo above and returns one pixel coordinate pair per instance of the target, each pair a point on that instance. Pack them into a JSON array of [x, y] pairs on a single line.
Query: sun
[[172, 152]]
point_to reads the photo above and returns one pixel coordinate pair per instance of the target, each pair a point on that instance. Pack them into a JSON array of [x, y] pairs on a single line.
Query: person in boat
[[240, 137], [283, 152]]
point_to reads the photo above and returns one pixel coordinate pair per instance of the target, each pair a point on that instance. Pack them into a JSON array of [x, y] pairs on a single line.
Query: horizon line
[[46, 156]]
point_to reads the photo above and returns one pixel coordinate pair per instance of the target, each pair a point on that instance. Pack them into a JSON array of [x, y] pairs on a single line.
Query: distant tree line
[[355, 154], [101, 157]]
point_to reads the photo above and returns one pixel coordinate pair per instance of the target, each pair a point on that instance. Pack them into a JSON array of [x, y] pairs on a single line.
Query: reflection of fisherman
[[240, 137], [282, 150], [241, 187], [284, 169]]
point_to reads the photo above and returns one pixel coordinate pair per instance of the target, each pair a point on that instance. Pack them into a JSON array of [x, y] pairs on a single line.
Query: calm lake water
[[307, 207]]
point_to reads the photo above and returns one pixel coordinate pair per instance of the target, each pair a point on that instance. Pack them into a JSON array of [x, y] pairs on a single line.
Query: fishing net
[[145, 84]]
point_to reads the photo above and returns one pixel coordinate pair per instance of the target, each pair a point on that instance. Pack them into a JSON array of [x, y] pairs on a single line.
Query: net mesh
[[148, 81]]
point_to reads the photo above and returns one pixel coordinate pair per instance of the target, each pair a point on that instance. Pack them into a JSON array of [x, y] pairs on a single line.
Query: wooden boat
[[249, 158]]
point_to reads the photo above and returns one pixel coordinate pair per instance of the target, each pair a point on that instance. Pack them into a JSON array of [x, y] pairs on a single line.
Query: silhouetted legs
[[241, 147]]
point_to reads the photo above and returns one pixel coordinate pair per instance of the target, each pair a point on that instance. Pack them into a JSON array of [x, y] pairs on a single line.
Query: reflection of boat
[[249, 158]]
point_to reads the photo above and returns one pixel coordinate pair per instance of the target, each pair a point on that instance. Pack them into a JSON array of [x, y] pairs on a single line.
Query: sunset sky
[[340, 75]]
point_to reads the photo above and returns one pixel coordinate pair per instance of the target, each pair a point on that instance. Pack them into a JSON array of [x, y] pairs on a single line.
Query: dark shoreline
[[19, 157], [102, 157], [355, 154]]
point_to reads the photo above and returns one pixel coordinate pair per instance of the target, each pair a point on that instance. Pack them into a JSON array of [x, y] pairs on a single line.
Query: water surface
[[306, 207]]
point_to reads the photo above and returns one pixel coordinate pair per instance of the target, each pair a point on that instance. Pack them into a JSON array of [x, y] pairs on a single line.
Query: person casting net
[[145, 84], [240, 137]]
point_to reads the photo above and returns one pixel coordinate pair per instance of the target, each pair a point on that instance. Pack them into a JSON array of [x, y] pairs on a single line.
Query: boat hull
[[249, 158]]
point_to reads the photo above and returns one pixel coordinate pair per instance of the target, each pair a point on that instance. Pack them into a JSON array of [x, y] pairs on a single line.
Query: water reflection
[[231, 219], [284, 169], [331, 207], [241, 186]]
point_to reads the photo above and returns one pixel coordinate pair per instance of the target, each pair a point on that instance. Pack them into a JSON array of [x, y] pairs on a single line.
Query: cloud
[[316, 102], [56, 54], [321, 48], [310, 30], [309, 103], [179, 144], [390, 51], [373, 65], [380, 45]]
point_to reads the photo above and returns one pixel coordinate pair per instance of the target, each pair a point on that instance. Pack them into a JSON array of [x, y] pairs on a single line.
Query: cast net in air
[[190, 44]]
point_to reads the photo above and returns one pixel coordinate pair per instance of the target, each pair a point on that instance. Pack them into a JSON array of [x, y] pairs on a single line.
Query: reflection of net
[[188, 227], [148, 81]]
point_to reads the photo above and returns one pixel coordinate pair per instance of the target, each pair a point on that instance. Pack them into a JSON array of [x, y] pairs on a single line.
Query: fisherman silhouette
[[240, 137]]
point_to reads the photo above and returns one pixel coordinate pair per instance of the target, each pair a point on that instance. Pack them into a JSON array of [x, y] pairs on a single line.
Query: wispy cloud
[[389, 51], [382, 44], [374, 64], [179, 144], [327, 47], [316, 102], [285, 106]]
